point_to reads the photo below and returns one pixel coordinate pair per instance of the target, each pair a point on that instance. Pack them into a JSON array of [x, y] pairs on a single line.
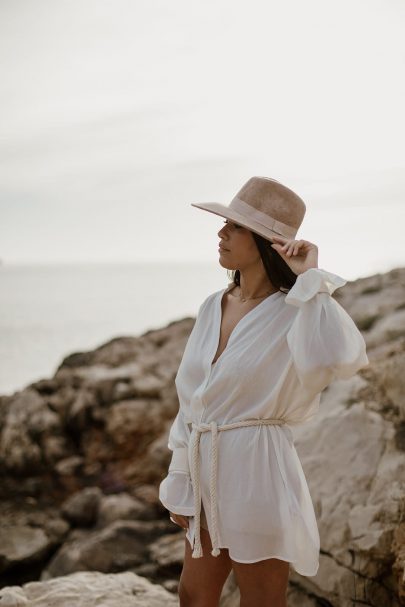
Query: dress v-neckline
[[218, 320]]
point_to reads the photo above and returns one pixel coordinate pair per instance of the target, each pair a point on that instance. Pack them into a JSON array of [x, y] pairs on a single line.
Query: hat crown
[[274, 199]]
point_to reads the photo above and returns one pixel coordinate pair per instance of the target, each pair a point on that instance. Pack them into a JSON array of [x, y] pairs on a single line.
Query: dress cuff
[[176, 493], [179, 462], [311, 282]]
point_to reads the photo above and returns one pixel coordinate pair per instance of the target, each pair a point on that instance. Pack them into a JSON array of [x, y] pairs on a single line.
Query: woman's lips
[[222, 249]]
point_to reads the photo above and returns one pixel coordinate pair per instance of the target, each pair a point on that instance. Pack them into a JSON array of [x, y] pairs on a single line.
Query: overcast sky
[[116, 115]]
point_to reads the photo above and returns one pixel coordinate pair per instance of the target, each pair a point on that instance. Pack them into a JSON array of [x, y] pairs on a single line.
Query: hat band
[[265, 220]]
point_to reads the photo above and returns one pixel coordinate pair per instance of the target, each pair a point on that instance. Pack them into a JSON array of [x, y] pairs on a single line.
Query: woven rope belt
[[195, 475]]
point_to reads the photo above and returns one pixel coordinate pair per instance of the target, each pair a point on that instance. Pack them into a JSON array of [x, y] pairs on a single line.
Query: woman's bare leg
[[263, 583], [202, 579]]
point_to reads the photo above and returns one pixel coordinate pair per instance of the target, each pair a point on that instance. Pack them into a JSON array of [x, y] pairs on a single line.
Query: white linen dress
[[249, 479]]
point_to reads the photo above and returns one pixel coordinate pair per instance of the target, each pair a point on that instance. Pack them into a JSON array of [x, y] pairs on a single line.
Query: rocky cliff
[[82, 455]]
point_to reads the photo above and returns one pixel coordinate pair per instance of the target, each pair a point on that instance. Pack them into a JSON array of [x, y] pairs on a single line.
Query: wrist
[[308, 268]]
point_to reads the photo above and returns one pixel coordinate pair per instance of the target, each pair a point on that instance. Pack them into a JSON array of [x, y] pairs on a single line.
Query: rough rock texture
[[28, 537], [100, 421], [88, 589], [121, 507], [119, 546], [81, 509], [82, 455]]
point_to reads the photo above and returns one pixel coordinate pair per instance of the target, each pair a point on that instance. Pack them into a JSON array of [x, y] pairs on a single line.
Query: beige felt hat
[[265, 206]]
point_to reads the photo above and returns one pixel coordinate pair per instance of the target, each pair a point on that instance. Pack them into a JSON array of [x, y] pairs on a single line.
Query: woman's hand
[[299, 255], [179, 519]]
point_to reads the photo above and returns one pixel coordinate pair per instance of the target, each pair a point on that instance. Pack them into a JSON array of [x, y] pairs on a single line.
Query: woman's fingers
[[289, 247], [179, 519], [297, 246], [278, 240], [305, 252]]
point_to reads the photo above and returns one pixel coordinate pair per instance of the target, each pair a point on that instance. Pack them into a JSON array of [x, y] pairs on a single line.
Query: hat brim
[[224, 211]]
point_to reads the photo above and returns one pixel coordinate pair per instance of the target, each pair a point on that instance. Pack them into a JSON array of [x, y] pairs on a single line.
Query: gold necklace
[[255, 297]]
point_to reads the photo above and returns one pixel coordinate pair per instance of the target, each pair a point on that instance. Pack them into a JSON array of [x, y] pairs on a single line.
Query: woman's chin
[[225, 264]]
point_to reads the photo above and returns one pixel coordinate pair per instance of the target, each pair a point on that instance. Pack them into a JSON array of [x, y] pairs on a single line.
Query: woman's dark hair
[[278, 271]]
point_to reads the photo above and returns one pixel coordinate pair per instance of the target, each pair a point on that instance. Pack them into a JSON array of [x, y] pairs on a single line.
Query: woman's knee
[[198, 596], [262, 583]]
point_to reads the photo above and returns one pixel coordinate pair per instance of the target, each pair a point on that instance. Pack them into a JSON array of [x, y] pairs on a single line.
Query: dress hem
[[272, 556]]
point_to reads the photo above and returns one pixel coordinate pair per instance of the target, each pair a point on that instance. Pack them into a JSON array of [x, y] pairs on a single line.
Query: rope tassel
[[197, 552]]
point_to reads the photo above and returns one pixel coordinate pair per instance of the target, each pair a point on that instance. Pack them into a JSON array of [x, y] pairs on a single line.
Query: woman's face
[[240, 250]]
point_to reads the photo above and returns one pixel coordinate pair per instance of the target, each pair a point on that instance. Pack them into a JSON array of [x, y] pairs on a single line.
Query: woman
[[259, 355]]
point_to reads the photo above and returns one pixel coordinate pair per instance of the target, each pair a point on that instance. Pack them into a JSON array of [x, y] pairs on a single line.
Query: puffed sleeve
[[176, 490], [323, 339]]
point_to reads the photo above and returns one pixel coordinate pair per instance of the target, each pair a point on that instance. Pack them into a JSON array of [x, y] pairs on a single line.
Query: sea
[[50, 311]]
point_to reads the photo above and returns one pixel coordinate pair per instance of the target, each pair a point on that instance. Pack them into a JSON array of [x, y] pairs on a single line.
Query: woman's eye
[[233, 225]]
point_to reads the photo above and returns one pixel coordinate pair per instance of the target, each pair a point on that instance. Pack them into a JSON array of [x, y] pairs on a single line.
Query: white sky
[[116, 115]]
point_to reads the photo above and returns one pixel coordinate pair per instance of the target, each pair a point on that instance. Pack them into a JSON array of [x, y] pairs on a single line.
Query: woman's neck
[[254, 285]]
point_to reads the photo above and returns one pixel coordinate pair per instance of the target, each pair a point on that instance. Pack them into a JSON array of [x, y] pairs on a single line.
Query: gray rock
[[387, 329], [356, 479], [69, 465], [89, 589], [121, 506], [168, 550], [120, 546], [22, 544], [28, 422], [28, 534], [81, 509]]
